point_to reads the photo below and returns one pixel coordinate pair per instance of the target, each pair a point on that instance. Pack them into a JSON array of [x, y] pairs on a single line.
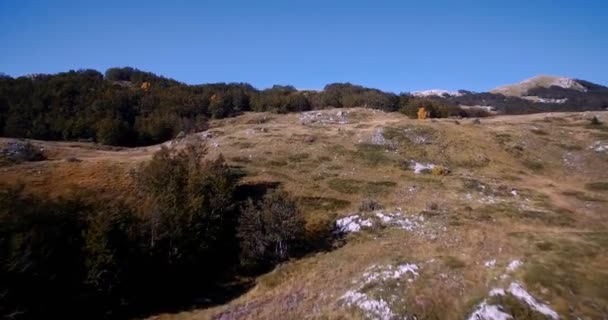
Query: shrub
[[595, 121], [270, 230], [369, 205], [440, 171], [433, 206], [534, 165]]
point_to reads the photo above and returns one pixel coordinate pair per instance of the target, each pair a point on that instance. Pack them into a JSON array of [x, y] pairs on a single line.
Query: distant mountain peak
[[540, 81]]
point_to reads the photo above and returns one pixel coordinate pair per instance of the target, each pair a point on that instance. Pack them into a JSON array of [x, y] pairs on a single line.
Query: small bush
[[368, 205], [534, 165], [439, 171], [595, 121]]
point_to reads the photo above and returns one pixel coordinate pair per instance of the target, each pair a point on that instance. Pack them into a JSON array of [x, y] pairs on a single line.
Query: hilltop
[[442, 218], [522, 89]]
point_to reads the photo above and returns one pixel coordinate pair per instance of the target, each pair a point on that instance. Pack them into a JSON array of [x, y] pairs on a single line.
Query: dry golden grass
[[542, 202]]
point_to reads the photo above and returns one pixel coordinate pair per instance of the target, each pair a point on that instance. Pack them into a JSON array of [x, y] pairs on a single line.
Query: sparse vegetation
[[597, 186]]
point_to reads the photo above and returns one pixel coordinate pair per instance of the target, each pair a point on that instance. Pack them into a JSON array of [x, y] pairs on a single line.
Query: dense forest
[[129, 107]]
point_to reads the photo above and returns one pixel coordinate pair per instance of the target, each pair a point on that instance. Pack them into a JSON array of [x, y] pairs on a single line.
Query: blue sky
[[392, 45]]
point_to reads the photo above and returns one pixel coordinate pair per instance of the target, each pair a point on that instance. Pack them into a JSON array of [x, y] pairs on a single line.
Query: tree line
[[129, 107], [189, 233]]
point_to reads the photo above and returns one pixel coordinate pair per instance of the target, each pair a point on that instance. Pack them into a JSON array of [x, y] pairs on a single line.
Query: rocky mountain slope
[[498, 219]]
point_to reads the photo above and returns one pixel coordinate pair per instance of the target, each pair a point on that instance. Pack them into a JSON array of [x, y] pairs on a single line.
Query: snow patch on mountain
[[436, 93]]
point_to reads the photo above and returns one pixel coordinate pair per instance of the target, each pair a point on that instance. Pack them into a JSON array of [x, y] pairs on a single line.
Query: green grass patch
[[299, 157], [559, 217], [277, 163], [597, 186], [534, 165], [240, 159], [453, 262], [540, 132], [570, 147], [377, 187], [552, 216], [545, 246], [598, 238], [371, 154], [346, 185], [335, 167], [244, 145], [582, 196], [391, 133], [503, 138], [323, 159], [322, 203]]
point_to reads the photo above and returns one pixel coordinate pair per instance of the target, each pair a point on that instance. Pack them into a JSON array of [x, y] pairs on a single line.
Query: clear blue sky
[[391, 45]]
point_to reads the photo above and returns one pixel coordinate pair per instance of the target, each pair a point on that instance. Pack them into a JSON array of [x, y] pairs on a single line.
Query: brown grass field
[[530, 188]]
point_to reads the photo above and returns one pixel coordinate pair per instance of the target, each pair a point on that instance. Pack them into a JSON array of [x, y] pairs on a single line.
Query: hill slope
[[517, 226]]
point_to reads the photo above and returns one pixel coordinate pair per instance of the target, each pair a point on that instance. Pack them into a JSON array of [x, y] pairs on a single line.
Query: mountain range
[[538, 94]]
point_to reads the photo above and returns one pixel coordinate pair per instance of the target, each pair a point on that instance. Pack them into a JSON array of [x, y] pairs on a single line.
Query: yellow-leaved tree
[[422, 114]]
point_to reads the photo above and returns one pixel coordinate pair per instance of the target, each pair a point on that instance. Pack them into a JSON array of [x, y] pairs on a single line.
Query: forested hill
[[129, 107]]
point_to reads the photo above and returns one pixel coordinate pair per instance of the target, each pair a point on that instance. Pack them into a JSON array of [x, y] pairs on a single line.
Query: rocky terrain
[[502, 218]]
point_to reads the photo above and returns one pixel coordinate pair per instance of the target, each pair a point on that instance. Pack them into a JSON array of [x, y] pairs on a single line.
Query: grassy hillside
[[513, 203]]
